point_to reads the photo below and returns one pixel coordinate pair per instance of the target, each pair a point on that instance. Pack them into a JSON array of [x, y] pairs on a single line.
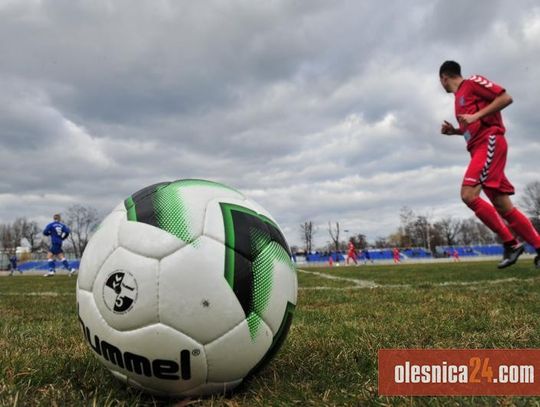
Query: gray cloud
[[318, 110]]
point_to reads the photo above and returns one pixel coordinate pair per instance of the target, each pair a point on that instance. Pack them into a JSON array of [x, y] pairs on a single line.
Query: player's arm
[[65, 232], [499, 103], [47, 230], [449, 129]]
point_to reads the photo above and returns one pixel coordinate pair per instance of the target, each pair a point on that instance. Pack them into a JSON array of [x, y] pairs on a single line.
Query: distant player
[[396, 255], [455, 255], [351, 252], [478, 105], [13, 265], [367, 256], [58, 233]]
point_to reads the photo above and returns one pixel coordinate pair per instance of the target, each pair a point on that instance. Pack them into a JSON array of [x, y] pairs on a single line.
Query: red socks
[[522, 226], [490, 217], [517, 221]]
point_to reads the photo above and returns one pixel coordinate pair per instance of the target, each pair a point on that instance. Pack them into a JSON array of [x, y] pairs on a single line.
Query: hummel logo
[[481, 81]]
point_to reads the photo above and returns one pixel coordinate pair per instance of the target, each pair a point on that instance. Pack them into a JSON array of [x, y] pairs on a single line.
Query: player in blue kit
[[13, 264], [58, 233]]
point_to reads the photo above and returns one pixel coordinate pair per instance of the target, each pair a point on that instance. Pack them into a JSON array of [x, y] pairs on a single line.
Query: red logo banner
[[459, 372]]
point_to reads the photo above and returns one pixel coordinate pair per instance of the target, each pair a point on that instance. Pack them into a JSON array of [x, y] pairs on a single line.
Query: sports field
[[344, 315]]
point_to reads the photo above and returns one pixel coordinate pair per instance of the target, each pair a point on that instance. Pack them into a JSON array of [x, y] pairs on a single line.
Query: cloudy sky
[[318, 110]]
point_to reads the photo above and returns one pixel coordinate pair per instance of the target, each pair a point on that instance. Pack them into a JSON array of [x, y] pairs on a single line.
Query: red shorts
[[487, 166]]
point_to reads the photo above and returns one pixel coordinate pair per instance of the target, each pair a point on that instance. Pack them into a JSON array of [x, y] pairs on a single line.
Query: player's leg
[[50, 261], [368, 256], [486, 212], [65, 263], [491, 218], [483, 170], [498, 188], [517, 220]]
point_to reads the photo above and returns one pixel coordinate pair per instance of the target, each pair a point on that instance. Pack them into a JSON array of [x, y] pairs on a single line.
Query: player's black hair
[[450, 68]]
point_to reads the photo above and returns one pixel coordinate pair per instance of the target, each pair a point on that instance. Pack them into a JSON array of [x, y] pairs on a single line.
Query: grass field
[[344, 316]]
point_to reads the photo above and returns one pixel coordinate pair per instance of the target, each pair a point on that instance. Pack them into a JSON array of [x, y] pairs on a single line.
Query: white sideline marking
[[356, 282], [37, 294], [361, 284]]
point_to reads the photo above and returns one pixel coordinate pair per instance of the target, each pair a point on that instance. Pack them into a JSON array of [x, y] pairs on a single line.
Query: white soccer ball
[[186, 288]]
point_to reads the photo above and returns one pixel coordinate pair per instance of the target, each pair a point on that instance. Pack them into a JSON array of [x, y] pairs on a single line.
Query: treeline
[[82, 220], [422, 230]]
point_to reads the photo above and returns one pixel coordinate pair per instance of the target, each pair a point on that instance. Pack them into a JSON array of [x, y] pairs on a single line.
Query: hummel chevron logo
[[481, 81], [489, 156]]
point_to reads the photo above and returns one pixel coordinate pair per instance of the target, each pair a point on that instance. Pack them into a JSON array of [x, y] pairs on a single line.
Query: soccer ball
[[186, 288]]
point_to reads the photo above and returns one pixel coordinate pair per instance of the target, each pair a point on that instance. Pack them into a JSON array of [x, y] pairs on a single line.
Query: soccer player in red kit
[[397, 257], [351, 254], [478, 105]]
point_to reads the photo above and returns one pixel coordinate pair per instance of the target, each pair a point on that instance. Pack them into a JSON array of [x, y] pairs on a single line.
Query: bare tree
[[405, 235], [17, 232], [473, 232], [29, 230], [531, 202], [421, 228], [360, 241], [467, 232], [381, 243], [334, 234], [7, 237], [12, 234], [33, 234], [449, 229], [307, 232], [82, 220]]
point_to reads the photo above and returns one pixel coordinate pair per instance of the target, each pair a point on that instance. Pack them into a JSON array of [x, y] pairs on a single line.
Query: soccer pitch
[[343, 317]]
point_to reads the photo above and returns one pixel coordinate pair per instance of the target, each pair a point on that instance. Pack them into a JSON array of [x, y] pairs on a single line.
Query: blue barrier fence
[[416, 253], [44, 265], [485, 250], [374, 254]]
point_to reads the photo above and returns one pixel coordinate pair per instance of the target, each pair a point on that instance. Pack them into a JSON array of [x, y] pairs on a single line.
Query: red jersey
[[351, 247], [473, 95]]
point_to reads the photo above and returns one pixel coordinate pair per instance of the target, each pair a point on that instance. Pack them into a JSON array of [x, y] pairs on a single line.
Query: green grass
[[417, 274], [330, 356]]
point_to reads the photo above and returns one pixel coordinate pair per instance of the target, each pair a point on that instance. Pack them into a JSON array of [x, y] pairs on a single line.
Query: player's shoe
[[537, 262], [71, 272], [49, 274], [511, 255]]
